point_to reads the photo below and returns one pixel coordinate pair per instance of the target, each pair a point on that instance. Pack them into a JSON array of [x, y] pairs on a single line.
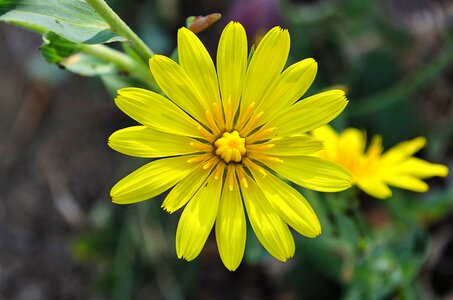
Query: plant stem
[[123, 62], [119, 26]]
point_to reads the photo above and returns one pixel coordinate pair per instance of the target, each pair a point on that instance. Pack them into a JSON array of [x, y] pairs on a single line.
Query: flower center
[[230, 147]]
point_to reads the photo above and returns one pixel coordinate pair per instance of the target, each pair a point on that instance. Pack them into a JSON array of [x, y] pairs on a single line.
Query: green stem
[[123, 62], [119, 26]]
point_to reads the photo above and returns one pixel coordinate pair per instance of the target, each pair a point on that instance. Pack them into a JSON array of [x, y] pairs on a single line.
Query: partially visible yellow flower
[[374, 171], [222, 135]]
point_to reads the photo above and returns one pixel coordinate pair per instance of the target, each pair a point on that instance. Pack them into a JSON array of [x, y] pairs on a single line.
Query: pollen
[[230, 147]]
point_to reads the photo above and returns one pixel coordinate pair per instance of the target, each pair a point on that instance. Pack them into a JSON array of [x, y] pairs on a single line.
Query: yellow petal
[[196, 61], [310, 113], [330, 139], [351, 147], [407, 182], [230, 227], [185, 189], [198, 219], [290, 87], [266, 64], [375, 150], [232, 63], [270, 229], [293, 146], [353, 141], [421, 168], [289, 204], [403, 150], [153, 110], [142, 141], [151, 180], [178, 86], [313, 173], [375, 187]]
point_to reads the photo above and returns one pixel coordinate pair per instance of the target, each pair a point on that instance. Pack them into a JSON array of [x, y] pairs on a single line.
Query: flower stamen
[[212, 124], [202, 146], [199, 158], [251, 124], [260, 135], [229, 114], [206, 134], [246, 115], [230, 147], [218, 115], [264, 157], [212, 161], [219, 170], [259, 147], [241, 176], [251, 165], [230, 177]]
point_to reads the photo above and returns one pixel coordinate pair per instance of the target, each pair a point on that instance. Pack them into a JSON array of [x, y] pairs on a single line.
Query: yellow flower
[[373, 170], [221, 137]]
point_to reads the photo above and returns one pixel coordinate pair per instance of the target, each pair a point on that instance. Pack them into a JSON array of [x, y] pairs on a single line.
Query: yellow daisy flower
[[221, 136], [374, 171]]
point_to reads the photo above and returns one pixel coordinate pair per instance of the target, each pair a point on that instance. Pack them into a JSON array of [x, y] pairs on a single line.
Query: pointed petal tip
[[115, 196], [153, 59], [278, 30], [184, 34], [348, 178], [314, 233], [157, 58], [234, 24], [310, 63], [124, 90], [117, 201], [316, 230], [179, 253], [113, 192], [165, 208], [120, 93], [184, 30], [185, 257], [286, 257], [319, 232], [168, 209], [311, 60], [231, 266], [110, 144]]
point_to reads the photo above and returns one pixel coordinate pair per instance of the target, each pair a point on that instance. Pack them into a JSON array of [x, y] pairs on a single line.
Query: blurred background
[[62, 238]]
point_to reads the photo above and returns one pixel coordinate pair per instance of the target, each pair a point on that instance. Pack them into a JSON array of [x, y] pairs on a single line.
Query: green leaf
[[56, 48], [87, 65], [74, 20], [60, 51]]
